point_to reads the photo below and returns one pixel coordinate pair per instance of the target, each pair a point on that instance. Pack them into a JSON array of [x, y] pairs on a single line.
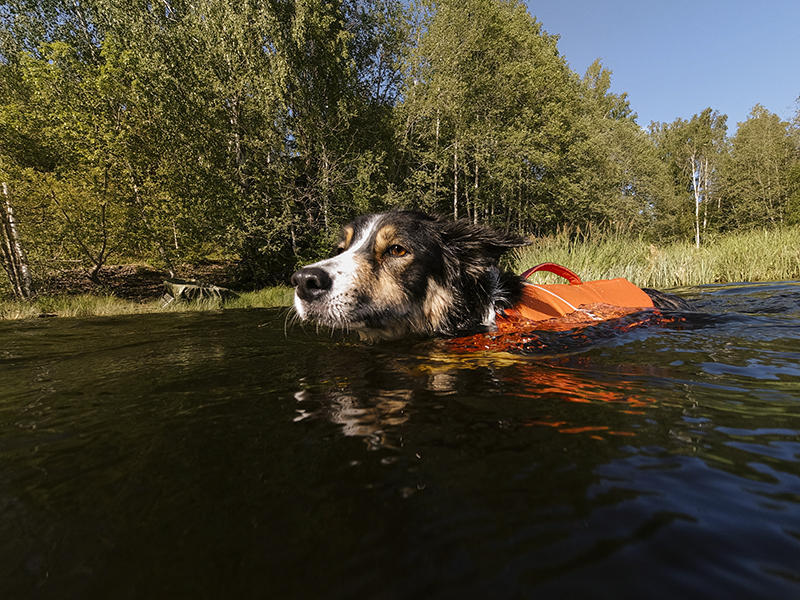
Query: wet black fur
[[464, 258]]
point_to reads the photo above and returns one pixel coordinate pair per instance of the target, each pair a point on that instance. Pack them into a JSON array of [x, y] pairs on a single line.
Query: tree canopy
[[177, 131]]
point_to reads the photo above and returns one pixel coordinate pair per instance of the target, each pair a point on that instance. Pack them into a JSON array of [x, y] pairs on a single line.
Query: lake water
[[236, 454]]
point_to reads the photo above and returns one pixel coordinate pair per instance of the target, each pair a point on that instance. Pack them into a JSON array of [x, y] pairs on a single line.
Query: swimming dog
[[405, 273]]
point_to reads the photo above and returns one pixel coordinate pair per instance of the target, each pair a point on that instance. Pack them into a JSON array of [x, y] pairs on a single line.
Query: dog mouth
[[315, 299], [332, 300], [350, 315], [336, 315]]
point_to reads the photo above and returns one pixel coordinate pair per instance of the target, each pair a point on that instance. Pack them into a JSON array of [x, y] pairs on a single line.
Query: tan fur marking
[[347, 235], [388, 291], [387, 288], [383, 289], [386, 237], [437, 303]]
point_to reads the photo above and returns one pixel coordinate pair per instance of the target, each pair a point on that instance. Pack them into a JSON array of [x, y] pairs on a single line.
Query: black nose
[[311, 283]]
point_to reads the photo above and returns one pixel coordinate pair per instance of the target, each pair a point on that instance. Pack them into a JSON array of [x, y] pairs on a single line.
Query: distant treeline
[[181, 130]]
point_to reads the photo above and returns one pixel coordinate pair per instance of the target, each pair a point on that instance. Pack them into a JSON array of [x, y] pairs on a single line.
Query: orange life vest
[[567, 308], [548, 301]]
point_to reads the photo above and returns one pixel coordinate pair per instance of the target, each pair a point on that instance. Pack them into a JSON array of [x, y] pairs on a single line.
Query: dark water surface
[[235, 455]]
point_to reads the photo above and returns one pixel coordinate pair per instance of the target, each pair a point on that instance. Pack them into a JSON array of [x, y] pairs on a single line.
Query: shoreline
[[753, 256], [134, 289]]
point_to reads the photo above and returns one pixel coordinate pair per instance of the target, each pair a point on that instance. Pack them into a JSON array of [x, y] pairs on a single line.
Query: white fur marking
[[342, 270]]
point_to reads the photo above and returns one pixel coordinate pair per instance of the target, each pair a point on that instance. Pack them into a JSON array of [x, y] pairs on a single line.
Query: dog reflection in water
[[556, 395], [379, 416], [376, 419]]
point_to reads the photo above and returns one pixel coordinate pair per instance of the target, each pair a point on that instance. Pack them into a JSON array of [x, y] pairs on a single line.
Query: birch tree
[[14, 257], [629, 181], [693, 150]]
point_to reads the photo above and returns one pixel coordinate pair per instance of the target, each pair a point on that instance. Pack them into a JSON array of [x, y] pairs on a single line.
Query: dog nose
[[311, 283]]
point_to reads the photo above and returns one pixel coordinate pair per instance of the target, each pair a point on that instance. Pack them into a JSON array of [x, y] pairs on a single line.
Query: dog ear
[[475, 242]]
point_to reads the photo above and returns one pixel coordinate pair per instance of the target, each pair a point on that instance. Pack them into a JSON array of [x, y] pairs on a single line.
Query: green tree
[[49, 122], [200, 127], [302, 130], [489, 113], [629, 180], [756, 176]]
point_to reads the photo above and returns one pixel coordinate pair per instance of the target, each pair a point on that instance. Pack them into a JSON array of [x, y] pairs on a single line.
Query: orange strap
[[555, 269], [547, 301]]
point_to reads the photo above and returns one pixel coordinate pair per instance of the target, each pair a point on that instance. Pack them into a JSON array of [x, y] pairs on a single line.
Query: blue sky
[[675, 58]]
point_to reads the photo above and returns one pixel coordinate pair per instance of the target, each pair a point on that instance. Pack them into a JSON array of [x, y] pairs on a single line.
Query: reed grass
[[85, 305], [11, 310], [763, 255], [266, 298]]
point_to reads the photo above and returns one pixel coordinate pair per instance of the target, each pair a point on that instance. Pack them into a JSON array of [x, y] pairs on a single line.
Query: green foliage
[[489, 125], [759, 176], [170, 131], [630, 181]]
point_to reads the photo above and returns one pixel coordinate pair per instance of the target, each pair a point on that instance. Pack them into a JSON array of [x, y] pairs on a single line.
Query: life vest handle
[[556, 270]]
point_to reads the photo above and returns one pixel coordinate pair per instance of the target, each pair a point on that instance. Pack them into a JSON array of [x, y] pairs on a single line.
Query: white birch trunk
[[15, 259]]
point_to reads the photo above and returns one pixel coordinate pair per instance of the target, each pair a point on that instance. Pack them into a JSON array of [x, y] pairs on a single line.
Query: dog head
[[406, 273]]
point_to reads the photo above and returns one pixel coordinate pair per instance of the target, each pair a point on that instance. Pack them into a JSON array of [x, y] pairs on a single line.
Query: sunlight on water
[[220, 454]]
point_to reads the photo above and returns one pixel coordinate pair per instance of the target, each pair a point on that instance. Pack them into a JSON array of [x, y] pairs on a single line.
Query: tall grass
[[266, 298], [106, 305], [69, 306], [772, 255]]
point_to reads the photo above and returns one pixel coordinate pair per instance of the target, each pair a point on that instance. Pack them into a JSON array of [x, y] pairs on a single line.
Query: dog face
[[406, 273]]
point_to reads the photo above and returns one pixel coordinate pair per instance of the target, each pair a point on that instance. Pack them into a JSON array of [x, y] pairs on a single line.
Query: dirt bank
[[138, 283]]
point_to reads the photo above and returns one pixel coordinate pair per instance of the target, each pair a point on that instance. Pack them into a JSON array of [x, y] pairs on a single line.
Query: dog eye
[[338, 250], [396, 250]]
